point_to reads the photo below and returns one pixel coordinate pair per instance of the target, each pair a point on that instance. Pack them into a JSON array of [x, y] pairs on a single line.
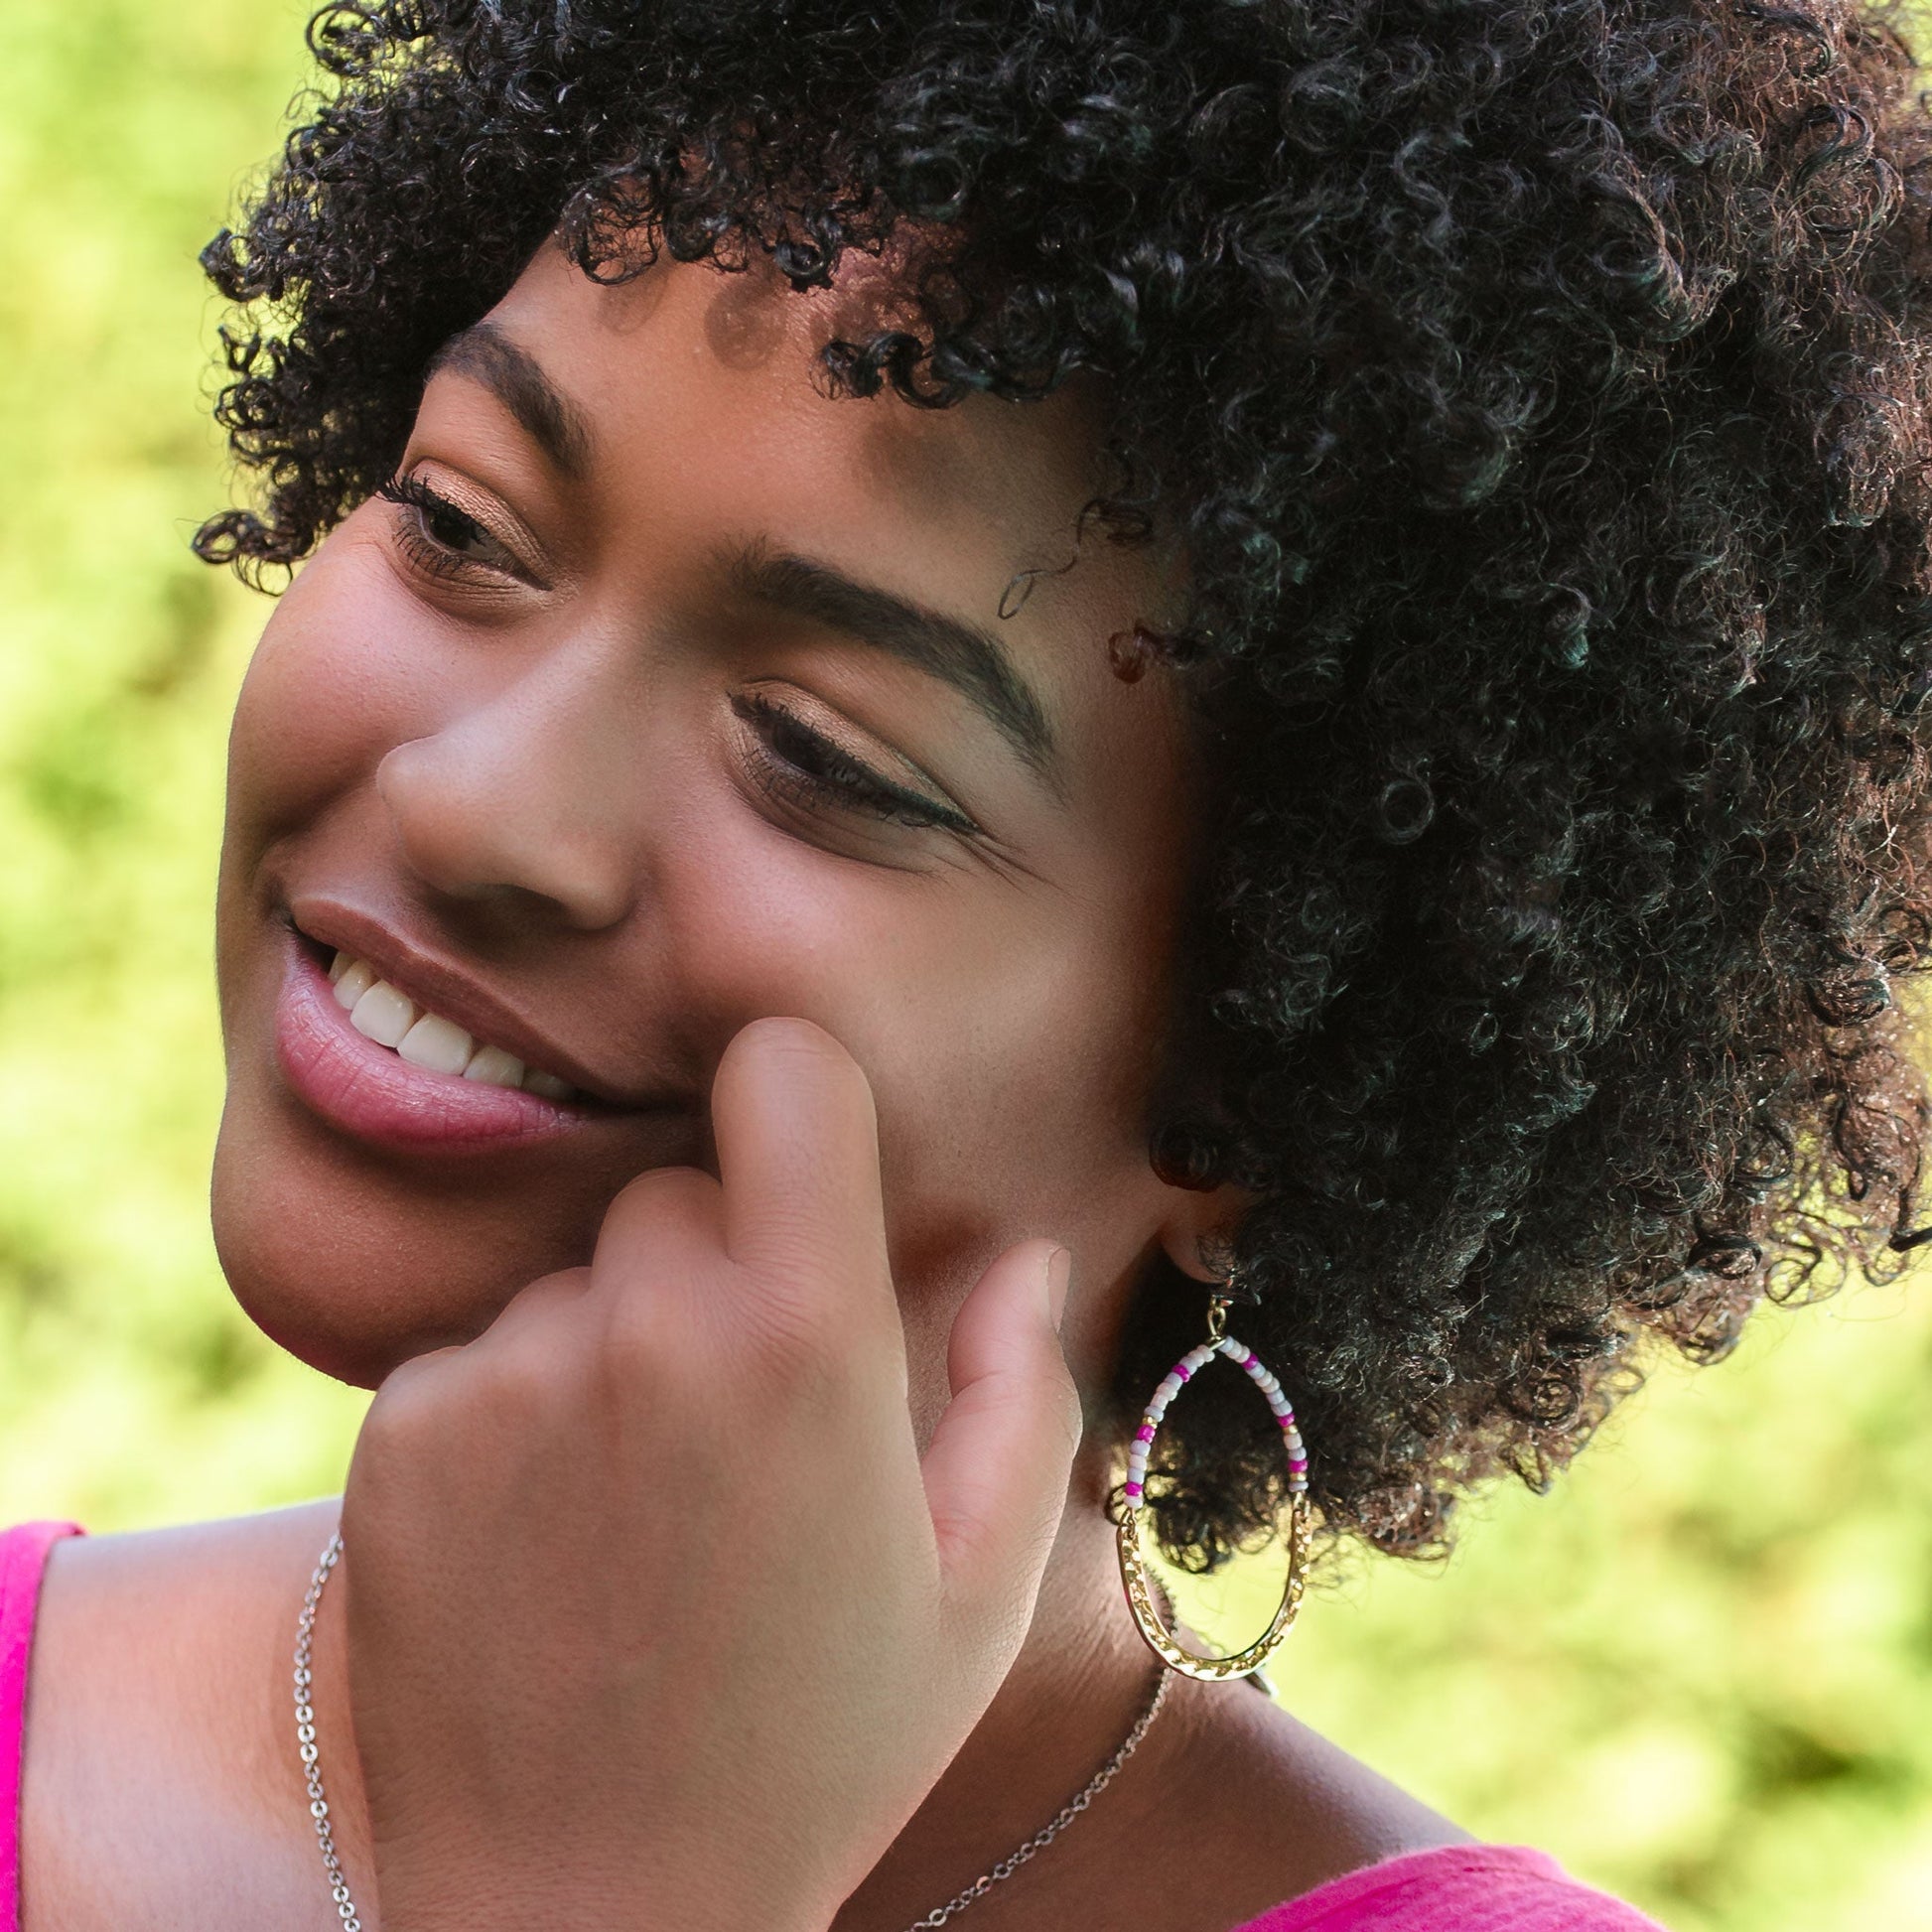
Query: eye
[[805, 768], [440, 538]]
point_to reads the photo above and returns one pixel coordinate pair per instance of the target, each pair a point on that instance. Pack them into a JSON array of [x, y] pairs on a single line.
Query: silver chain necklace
[[305, 1733]]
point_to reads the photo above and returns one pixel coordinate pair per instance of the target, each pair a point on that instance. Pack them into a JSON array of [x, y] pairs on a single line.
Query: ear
[[1199, 1226]]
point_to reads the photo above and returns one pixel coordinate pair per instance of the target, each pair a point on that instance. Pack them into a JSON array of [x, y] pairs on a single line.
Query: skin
[[871, 1072]]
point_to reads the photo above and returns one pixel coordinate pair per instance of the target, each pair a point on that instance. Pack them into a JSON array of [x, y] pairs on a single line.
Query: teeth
[[438, 1044], [383, 1014], [495, 1066], [351, 982], [391, 1018]]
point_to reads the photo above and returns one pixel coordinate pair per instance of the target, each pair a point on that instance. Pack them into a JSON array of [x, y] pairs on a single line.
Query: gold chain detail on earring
[[1127, 1530]]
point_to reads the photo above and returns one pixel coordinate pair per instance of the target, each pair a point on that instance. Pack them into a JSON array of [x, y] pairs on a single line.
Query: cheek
[[1009, 1045], [337, 679]]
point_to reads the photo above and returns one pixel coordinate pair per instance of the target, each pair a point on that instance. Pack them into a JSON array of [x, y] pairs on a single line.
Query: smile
[[380, 1066], [381, 1012]]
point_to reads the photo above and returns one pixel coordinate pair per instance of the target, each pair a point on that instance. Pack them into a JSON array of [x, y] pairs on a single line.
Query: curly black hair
[[1539, 388]]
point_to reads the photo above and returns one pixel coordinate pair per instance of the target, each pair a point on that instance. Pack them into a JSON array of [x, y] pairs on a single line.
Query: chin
[[351, 1269], [335, 1308]]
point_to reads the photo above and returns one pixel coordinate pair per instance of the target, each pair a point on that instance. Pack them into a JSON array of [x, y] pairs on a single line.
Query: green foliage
[[130, 1388], [1701, 1672], [1700, 1669]]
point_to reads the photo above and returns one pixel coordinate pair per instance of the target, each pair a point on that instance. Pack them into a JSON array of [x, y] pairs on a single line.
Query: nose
[[510, 800]]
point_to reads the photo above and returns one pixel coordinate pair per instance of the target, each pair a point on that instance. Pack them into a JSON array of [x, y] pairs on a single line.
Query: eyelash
[[432, 554], [834, 776]]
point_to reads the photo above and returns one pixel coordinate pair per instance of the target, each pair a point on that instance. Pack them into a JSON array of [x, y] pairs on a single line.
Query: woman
[[785, 920]]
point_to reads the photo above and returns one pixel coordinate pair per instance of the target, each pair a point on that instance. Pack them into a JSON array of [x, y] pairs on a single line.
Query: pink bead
[[1183, 1373]]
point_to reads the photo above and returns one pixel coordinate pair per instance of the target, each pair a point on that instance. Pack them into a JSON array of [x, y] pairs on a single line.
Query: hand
[[654, 1617]]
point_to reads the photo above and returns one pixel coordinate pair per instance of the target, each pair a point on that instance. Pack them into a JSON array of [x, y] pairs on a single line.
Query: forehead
[[700, 412], [705, 401]]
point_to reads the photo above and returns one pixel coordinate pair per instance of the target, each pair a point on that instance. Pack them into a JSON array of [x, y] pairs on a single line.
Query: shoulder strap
[[22, 1557]]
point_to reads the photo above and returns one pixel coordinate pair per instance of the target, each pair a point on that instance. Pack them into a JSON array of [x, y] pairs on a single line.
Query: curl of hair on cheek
[[1542, 401]]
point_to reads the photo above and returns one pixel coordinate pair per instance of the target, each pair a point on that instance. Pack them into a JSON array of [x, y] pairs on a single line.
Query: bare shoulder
[[1277, 1810], [157, 1665], [165, 1606], [1363, 1815], [164, 1634], [176, 1571], [1231, 1808]]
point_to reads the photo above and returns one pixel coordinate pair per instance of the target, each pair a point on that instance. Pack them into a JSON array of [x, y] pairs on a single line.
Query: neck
[[1081, 1679]]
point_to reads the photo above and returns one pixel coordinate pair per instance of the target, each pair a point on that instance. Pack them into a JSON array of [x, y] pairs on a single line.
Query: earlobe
[[1198, 1232]]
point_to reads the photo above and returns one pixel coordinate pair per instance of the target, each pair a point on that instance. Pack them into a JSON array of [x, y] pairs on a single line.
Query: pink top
[[1453, 1888], [1456, 1888], [23, 1556]]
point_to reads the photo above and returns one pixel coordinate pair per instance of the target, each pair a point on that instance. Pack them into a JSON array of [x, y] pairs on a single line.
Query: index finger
[[798, 1143]]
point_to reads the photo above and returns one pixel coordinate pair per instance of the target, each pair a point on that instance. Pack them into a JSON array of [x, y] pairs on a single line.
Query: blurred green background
[[1701, 1673]]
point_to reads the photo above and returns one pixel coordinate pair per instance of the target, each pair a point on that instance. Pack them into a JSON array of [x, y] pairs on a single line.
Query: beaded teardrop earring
[[1132, 1568]]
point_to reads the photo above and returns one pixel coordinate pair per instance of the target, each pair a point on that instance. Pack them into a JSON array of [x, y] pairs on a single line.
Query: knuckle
[[402, 1441], [514, 1388], [458, 1402], [535, 1307], [657, 1184], [660, 1202], [638, 1345], [409, 1404]]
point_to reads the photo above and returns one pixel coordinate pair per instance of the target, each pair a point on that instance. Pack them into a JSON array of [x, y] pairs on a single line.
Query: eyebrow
[[517, 379], [961, 654], [970, 659]]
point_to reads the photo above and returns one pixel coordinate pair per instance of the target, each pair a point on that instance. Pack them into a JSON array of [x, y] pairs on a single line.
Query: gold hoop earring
[[1126, 1529]]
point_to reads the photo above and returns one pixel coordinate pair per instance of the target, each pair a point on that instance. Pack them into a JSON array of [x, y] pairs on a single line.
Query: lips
[[387, 1015], [368, 1091]]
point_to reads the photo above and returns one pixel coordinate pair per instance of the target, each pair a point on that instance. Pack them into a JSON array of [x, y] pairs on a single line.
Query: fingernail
[[1059, 1272]]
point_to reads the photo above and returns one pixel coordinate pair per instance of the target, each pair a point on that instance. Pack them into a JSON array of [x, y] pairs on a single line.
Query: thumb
[[996, 1468]]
